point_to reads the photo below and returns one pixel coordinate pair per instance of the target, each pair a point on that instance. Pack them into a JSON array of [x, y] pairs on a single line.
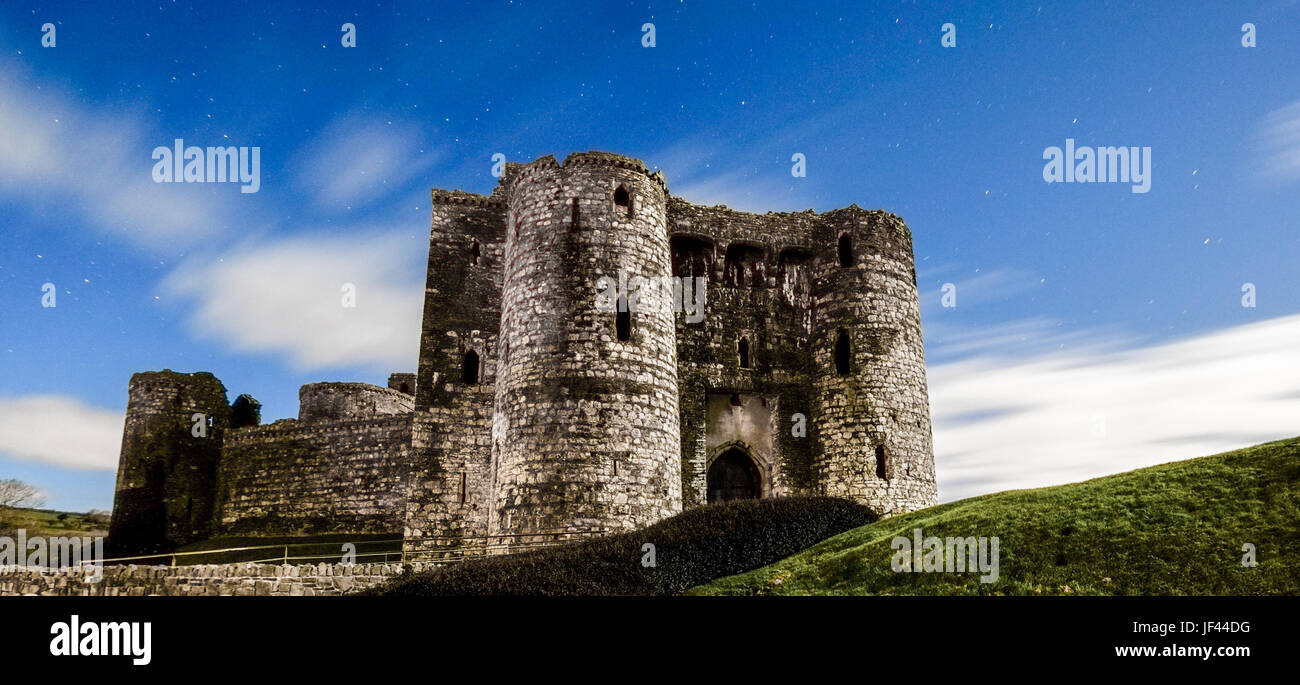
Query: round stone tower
[[166, 478], [585, 427], [871, 407]]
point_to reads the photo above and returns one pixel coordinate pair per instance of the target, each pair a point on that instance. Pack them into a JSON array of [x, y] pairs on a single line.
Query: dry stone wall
[[205, 580]]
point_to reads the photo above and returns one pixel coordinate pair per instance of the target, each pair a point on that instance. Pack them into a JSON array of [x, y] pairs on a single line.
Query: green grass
[[1173, 529], [49, 522]]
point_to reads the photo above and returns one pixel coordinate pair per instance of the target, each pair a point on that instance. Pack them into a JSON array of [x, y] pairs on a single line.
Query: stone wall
[[167, 470], [295, 477], [759, 291], [462, 295], [209, 579], [587, 432], [450, 484], [873, 418], [348, 401]]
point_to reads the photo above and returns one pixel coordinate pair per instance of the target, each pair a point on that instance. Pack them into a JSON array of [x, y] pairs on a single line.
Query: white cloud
[[284, 297], [356, 161], [1279, 142], [98, 161], [61, 431], [1057, 417]]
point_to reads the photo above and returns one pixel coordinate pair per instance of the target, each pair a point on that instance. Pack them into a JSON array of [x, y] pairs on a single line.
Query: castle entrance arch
[[734, 475]]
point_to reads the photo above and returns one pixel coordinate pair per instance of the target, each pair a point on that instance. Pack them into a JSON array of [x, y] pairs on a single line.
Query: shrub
[[691, 548]]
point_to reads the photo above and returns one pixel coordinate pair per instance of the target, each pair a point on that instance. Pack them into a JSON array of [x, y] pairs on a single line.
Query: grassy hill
[[49, 522], [1172, 529]]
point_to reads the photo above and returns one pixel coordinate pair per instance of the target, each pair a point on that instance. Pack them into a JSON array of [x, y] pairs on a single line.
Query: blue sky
[[1095, 330]]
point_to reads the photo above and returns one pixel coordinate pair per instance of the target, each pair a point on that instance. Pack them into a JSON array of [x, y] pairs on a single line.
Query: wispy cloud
[[1057, 417], [357, 161], [956, 332], [1279, 144], [61, 431], [285, 298], [97, 162]]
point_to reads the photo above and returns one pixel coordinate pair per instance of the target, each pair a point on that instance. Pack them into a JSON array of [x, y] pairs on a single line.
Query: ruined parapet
[[871, 405], [586, 425], [348, 401], [402, 382], [171, 444]]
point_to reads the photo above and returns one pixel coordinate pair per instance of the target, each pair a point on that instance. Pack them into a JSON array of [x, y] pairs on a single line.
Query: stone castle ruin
[[539, 409]]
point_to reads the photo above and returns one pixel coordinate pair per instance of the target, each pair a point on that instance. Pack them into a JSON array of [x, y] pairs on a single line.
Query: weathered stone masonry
[[534, 411], [296, 580]]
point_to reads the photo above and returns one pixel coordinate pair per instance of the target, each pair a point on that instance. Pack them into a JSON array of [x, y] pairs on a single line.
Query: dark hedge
[[694, 547]]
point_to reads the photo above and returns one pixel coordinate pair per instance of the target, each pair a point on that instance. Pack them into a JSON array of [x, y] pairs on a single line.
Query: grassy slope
[[1176, 528], [47, 522]]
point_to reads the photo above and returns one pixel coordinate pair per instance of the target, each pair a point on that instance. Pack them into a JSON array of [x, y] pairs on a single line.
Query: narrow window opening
[[470, 371], [743, 348], [842, 354], [576, 217], [880, 462], [462, 487], [615, 467], [475, 253], [846, 251], [623, 324], [623, 199]]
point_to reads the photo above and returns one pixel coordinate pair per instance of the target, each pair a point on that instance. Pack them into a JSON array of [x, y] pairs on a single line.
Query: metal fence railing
[[444, 548], [283, 557]]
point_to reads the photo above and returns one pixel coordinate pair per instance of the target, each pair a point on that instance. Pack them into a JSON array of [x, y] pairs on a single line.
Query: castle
[[553, 395]]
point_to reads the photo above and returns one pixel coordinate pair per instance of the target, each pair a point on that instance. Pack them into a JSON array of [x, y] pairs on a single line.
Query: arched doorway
[[734, 475]]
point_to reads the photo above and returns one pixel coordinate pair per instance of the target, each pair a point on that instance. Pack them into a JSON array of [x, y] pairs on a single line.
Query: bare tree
[[15, 493]]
